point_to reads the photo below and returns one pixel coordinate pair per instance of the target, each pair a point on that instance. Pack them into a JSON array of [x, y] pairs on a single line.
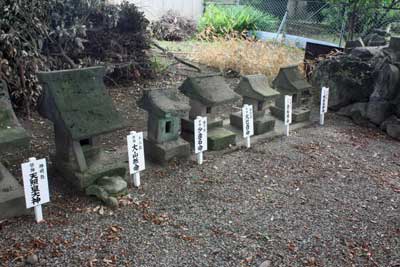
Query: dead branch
[[171, 55]]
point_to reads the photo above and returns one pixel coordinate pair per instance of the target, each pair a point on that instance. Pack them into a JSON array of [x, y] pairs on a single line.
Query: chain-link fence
[[322, 20]]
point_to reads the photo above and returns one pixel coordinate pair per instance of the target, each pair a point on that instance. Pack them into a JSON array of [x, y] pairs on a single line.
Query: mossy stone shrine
[[12, 137], [290, 82], [77, 103], [165, 110], [256, 91], [208, 94]]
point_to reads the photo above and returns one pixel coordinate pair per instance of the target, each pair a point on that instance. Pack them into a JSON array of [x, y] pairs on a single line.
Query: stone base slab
[[105, 164], [162, 153], [220, 138], [298, 115], [262, 124], [188, 124]]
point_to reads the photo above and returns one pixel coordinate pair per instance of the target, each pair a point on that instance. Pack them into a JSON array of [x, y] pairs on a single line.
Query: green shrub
[[221, 20]]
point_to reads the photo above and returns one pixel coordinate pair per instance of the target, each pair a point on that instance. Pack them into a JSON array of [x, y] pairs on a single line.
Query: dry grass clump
[[246, 56]]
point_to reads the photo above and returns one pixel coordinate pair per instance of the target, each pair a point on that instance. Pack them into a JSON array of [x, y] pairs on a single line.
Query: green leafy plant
[[222, 20]]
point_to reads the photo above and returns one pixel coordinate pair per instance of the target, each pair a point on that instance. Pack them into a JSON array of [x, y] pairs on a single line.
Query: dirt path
[[326, 196]]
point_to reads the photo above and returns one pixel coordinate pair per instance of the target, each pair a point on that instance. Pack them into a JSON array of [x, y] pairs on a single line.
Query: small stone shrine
[[12, 137], [165, 109], [77, 103], [256, 92], [290, 82], [208, 94]]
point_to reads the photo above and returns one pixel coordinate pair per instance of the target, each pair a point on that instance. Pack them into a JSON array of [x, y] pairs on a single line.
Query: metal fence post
[[343, 29], [282, 26]]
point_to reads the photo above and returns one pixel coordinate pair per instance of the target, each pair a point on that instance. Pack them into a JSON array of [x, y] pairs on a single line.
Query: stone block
[[99, 165], [393, 130], [220, 138], [378, 111], [12, 200], [164, 152], [262, 124], [301, 114], [298, 115]]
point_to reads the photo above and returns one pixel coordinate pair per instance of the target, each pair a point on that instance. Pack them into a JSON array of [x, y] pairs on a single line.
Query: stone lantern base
[[262, 124], [162, 153], [218, 137], [99, 164], [300, 114]]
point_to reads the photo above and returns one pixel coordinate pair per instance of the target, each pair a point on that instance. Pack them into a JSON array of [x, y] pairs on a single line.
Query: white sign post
[[324, 104], [200, 137], [248, 123], [136, 156], [36, 186], [288, 112]]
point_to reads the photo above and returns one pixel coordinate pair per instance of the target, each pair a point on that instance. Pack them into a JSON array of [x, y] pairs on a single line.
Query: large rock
[[349, 79], [376, 38], [386, 86], [366, 53], [357, 112], [393, 129], [379, 111], [391, 120], [397, 110]]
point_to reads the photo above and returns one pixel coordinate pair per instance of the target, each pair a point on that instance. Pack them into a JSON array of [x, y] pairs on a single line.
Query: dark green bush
[[61, 34]]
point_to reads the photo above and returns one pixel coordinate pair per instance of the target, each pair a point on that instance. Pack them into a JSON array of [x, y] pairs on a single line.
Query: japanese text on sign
[[288, 110], [200, 134], [136, 152], [324, 100], [36, 188], [248, 124]]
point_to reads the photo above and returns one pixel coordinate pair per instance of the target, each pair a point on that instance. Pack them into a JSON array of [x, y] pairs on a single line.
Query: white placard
[[248, 120], [136, 152], [324, 104], [324, 100], [288, 109], [36, 186], [200, 135]]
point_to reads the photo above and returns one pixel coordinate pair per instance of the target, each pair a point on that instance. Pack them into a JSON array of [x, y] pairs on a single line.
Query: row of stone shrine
[[77, 103]]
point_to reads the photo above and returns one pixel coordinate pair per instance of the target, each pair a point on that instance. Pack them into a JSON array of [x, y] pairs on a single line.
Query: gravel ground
[[325, 196]]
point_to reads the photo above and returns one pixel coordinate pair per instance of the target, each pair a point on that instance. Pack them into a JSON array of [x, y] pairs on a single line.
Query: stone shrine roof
[[210, 90], [164, 101], [11, 132], [77, 101], [256, 87], [290, 81]]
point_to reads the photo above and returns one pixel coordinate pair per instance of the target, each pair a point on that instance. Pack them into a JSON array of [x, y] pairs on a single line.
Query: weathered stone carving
[[166, 110], [12, 136], [207, 95], [256, 91], [77, 103], [290, 82]]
